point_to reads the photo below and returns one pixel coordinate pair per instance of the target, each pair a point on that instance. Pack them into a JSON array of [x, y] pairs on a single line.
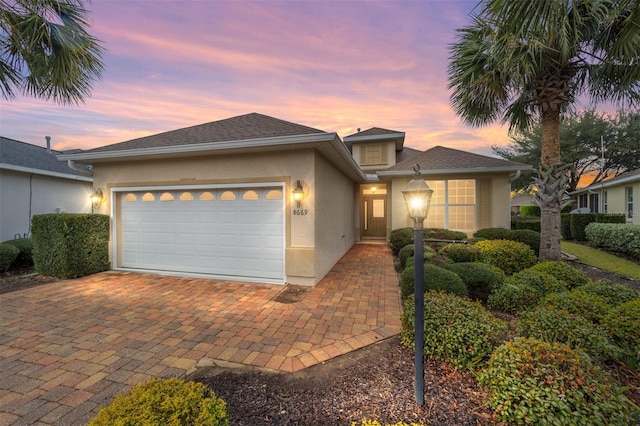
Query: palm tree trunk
[[551, 184]]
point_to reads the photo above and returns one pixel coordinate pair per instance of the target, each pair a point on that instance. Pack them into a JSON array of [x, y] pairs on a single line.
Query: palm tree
[[523, 61], [42, 58]]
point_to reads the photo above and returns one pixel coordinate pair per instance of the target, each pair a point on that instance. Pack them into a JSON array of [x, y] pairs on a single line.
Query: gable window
[[374, 154], [453, 205], [628, 196]]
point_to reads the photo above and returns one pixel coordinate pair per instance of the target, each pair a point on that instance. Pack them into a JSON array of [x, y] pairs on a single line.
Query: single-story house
[[521, 200], [612, 196], [33, 181], [260, 199]]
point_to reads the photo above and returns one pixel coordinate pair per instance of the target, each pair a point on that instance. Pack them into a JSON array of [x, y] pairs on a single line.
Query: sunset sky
[[332, 65]]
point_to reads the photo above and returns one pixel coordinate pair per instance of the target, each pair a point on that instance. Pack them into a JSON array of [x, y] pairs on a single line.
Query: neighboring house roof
[[439, 159], [376, 134], [523, 200], [626, 177], [243, 127], [28, 158]]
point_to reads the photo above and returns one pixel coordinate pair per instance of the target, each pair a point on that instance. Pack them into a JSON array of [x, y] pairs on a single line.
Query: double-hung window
[[628, 196], [453, 205]]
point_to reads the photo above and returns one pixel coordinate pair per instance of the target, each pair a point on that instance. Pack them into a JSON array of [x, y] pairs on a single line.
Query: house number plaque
[[300, 212]]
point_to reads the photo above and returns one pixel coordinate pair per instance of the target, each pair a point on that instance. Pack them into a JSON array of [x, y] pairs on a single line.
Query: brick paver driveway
[[67, 348]]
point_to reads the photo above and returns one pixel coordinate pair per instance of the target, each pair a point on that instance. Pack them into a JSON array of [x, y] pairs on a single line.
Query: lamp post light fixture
[[417, 196]]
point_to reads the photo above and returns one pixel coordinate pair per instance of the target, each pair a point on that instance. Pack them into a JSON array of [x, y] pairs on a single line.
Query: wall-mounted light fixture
[[298, 193], [374, 189], [97, 198]]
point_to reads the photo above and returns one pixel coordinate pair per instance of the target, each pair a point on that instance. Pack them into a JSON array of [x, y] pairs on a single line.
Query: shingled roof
[[440, 158], [16, 155], [242, 127]]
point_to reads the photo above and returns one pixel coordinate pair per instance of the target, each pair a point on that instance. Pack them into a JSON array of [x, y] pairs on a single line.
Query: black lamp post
[[417, 196]]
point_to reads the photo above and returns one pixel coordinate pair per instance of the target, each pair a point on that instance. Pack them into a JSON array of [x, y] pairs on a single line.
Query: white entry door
[[227, 232]]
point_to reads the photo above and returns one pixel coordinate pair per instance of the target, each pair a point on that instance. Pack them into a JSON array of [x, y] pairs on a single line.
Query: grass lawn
[[602, 260]]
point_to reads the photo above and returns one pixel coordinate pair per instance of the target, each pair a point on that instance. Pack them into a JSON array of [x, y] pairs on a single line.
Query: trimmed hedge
[[456, 330], [170, 402], [530, 210], [533, 225], [580, 221], [565, 226], [460, 252], [400, 237], [70, 245], [523, 290], [572, 276], [407, 252], [622, 238], [613, 293], [623, 324], [8, 254], [435, 278], [479, 278], [25, 245], [510, 256], [527, 236]]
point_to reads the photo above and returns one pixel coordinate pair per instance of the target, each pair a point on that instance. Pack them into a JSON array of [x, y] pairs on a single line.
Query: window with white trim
[[628, 196], [453, 205], [605, 203]]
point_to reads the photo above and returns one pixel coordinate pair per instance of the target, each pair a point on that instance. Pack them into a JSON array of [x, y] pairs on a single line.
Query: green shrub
[[8, 254], [533, 225], [456, 330], [579, 222], [435, 278], [492, 234], [564, 272], [565, 226], [407, 252], [622, 238], [70, 245], [623, 324], [588, 305], [510, 256], [536, 382], [613, 293], [399, 238], [528, 237], [165, 402], [611, 218], [460, 252], [556, 325], [444, 234], [479, 278], [25, 245], [367, 422], [523, 290], [530, 210]]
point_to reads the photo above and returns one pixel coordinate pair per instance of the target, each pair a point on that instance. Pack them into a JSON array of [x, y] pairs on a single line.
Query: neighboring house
[[33, 181], [612, 196], [217, 199], [521, 200]]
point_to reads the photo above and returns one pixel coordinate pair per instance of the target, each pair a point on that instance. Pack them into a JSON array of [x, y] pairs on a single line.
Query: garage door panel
[[206, 231]]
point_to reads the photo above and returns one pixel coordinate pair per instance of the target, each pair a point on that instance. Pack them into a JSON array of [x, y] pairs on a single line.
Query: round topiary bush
[[25, 245], [406, 253], [8, 254], [588, 305], [399, 238], [165, 402], [510, 256], [536, 382], [572, 276], [523, 290], [479, 278], [435, 278], [456, 330], [492, 234], [614, 293], [623, 324], [528, 237], [460, 252], [557, 325]]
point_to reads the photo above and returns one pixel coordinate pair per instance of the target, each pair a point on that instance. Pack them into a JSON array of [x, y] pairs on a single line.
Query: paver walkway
[[67, 348]]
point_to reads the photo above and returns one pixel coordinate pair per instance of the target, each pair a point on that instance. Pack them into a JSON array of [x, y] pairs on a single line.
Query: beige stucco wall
[[492, 200], [24, 193], [334, 212], [617, 202], [311, 245]]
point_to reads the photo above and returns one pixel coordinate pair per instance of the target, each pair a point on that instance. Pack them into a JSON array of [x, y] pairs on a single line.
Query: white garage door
[[230, 232]]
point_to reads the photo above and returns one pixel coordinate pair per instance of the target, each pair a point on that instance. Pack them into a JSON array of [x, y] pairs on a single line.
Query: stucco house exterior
[[217, 199], [612, 196], [33, 181]]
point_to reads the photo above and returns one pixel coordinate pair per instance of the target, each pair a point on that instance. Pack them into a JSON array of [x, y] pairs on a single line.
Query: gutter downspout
[[72, 165]]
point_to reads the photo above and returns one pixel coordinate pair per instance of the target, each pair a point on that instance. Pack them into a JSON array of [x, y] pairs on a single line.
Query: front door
[[374, 216]]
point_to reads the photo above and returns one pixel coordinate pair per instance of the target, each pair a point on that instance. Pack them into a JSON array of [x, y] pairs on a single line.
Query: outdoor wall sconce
[[97, 198], [417, 196], [298, 193]]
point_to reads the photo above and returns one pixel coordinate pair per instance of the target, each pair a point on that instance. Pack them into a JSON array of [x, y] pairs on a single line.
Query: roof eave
[[12, 167], [471, 170], [397, 137], [607, 184]]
